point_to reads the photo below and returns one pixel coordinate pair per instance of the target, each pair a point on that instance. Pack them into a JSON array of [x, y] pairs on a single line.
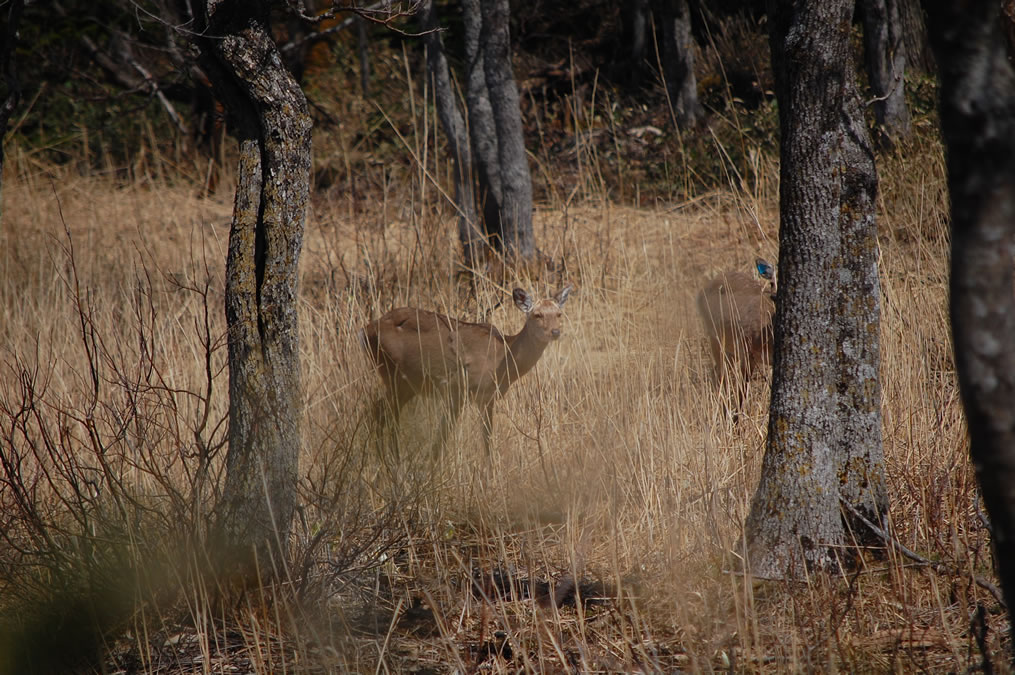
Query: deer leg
[[388, 412], [486, 414], [454, 404]]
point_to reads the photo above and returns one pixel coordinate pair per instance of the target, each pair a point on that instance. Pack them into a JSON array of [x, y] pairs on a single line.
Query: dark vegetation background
[[86, 103]]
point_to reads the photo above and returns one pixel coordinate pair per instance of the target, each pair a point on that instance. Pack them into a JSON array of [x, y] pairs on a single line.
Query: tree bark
[[453, 123], [678, 61], [978, 126], [861, 475], [825, 359], [635, 15], [482, 129], [363, 50], [919, 55], [515, 179], [273, 178], [885, 56]]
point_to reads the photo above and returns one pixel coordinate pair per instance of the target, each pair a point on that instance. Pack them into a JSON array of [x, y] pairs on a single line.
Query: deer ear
[[523, 300], [562, 294]]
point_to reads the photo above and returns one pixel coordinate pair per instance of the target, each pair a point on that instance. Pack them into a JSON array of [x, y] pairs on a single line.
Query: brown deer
[[736, 311], [420, 352]]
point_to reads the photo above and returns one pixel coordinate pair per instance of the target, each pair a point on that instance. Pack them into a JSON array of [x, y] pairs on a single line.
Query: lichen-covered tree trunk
[[825, 364], [885, 56], [674, 17], [861, 476], [515, 178], [978, 125], [273, 178], [469, 234]]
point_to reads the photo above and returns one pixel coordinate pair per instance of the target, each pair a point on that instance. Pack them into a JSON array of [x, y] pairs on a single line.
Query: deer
[[736, 312], [418, 352]]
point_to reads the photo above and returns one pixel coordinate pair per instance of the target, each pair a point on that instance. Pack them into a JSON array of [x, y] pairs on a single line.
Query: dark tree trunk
[[636, 17], [674, 17], [826, 170], [515, 179], [482, 129], [273, 178], [885, 55], [458, 138], [12, 87], [919, 55], [978, 125], [363, 49]]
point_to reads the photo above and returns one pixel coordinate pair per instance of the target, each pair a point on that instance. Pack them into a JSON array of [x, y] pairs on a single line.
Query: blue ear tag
[[764, 269]]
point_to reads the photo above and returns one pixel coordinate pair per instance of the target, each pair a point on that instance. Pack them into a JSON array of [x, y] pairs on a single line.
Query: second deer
[[736, 311], [421, 352]]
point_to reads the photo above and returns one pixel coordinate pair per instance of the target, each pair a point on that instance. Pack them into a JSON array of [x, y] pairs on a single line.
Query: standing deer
[[420, 352], [736, 311]]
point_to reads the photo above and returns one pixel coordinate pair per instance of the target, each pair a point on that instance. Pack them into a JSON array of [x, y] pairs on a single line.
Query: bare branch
[[916, 557], [379, 13]]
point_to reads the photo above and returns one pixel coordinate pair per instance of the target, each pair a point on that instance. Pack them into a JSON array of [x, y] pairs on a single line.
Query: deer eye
[[538, 315]]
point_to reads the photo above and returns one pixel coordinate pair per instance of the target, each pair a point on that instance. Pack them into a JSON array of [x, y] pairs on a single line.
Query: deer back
[[736, 310], [432, 351]]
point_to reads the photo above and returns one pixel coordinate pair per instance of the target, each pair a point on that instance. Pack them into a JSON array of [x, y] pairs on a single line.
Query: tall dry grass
[[614, 469]]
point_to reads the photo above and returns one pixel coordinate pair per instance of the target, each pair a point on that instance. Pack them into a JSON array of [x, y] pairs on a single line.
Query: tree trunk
[[458, 139], [12, 87], [482, 129], [978, 126], [919, 56], [885, 55], [678, 61], [861, 476], [363, 50], [516, 181], [635, 15], [269, 213], [825, 366]]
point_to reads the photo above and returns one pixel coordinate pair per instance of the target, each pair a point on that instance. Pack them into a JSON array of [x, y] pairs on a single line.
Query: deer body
[[420, 352], [736, 311]]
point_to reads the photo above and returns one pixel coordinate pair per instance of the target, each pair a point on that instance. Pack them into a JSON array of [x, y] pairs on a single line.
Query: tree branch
[[916, 557], [370, 13]]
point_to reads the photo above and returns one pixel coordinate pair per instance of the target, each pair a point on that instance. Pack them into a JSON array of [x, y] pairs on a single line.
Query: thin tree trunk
[[978, 126], [273, 178], [482, 128], [919, 56], [885, 55], [678, 61], [516, 181], [636, 15], [458, 139], [363, 49]]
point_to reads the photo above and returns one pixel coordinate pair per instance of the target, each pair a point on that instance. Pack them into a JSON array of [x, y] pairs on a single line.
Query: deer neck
[[523, 352]]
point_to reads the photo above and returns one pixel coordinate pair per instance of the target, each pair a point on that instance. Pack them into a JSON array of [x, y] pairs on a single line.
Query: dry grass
[[613, 466]]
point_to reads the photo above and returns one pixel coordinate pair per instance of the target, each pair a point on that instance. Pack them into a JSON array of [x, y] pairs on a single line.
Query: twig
[[125, 79], [367, 13], [913, 555], [154, 87]]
